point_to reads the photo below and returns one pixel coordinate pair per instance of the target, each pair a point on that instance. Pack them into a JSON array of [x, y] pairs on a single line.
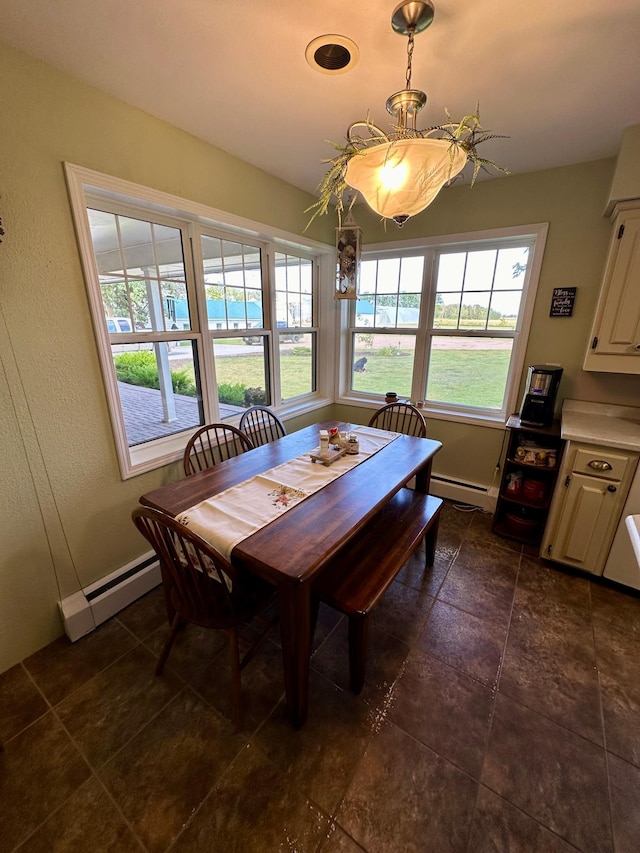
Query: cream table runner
[[229, 517]]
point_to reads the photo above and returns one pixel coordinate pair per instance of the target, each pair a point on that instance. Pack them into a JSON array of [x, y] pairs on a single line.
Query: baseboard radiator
[[462, 491], [85, 610]]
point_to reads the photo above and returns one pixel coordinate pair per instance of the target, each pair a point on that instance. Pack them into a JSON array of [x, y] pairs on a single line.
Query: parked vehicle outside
[[118, 324], [286, 339]]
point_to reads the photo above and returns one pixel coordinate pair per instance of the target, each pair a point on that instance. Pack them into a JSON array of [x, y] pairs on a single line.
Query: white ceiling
[[560, 77]]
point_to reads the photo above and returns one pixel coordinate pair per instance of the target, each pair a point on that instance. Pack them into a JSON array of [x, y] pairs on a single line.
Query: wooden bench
[[357, 578]]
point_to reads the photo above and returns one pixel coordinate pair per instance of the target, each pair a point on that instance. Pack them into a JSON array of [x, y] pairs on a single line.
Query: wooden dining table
[[292, 550]]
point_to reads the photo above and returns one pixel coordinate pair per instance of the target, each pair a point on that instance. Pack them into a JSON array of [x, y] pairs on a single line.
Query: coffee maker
[[539, 399]]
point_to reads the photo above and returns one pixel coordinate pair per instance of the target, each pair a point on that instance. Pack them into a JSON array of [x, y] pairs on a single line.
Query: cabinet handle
[[599, 465], [637, 347], [611, 489]]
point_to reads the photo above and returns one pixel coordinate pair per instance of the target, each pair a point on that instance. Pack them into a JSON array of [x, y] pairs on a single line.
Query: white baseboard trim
[[83, 611], [466, 492]]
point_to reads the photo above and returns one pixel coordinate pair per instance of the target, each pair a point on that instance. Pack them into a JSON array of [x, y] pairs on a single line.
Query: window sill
[[166, 451], [492, 421], [301, 406]]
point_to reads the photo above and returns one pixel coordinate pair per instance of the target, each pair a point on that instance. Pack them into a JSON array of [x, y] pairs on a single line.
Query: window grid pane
[[470, 372], [158, 389], [297, 365], [293, 286], [481, 272], [477, 292], [382, 362], [390, 293], [242, 374], [141, 271], [233, 284]]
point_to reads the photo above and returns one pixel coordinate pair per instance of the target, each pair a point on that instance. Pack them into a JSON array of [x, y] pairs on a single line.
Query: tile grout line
[[494, 692], [604, 730]]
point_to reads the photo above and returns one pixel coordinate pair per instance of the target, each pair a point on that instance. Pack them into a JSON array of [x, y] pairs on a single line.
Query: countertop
[[602, 424]]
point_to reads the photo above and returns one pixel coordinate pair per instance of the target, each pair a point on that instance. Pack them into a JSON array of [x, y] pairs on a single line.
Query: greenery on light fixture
[[464, 135], [400, 173]]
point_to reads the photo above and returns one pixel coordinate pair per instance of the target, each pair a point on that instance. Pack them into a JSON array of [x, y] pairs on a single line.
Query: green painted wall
[[65, 510], [63, 502]]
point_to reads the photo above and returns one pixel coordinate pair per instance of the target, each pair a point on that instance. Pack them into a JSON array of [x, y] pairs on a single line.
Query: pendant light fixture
[[400, 173]]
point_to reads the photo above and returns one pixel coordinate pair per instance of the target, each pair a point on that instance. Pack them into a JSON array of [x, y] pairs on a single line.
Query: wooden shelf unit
[[516, 502]]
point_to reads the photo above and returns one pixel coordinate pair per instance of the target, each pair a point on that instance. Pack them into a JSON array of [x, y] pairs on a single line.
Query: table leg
[[294, 604], [423, 478]]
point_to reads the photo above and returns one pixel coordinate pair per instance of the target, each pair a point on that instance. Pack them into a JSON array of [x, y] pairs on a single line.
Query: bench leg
[[358, 646], [315, 607], [430, 541]]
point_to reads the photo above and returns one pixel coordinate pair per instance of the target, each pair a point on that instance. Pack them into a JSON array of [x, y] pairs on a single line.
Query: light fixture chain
[[409, 56]]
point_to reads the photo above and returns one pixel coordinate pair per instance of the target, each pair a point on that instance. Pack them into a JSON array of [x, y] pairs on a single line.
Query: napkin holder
[[330, 457]]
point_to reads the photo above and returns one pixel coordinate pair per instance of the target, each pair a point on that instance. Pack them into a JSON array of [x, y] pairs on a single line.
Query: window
[[141, 273], [233, 284], [191, 323], [447, 323], [295, 323]]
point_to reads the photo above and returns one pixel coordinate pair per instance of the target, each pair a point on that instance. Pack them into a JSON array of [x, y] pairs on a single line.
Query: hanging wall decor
[[347, 259]]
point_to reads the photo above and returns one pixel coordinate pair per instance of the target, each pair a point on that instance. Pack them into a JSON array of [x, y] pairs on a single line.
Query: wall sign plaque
[[562, 301]]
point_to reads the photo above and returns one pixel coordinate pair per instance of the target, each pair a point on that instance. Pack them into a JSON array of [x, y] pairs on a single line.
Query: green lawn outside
[[473, 377], [468, 377], [295, 372]]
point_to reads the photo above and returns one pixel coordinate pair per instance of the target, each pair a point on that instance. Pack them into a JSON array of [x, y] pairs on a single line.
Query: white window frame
[[85, 186], [535, 235], [312, 330]]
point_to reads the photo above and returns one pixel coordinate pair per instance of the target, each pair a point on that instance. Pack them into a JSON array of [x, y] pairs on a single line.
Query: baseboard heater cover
[[464, 491], [83, 611]]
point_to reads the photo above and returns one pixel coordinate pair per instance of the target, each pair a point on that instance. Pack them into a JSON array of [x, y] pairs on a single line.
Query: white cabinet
[[587, 504], [622, 565], [614, 344]]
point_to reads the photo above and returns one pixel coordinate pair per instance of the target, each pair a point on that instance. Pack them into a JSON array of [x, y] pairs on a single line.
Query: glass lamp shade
[[399, 179]]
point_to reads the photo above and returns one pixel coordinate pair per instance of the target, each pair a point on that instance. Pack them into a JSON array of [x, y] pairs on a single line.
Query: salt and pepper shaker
[[353, 445], [324, 442]]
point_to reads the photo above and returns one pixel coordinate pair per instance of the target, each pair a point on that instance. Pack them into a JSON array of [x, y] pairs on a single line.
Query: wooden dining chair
[[211, 444], [261, 425], [400, 417], [205, 589]]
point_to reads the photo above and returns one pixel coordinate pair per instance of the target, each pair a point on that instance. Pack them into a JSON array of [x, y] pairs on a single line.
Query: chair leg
[[175, 627], [358, 646], [236, 684]]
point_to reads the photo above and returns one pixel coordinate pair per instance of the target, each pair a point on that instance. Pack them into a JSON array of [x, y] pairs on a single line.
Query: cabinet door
[[588, 512], [620, 326], [615, 337]]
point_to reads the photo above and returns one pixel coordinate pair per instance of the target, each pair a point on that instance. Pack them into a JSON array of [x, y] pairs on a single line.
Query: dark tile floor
[[501, 713]]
